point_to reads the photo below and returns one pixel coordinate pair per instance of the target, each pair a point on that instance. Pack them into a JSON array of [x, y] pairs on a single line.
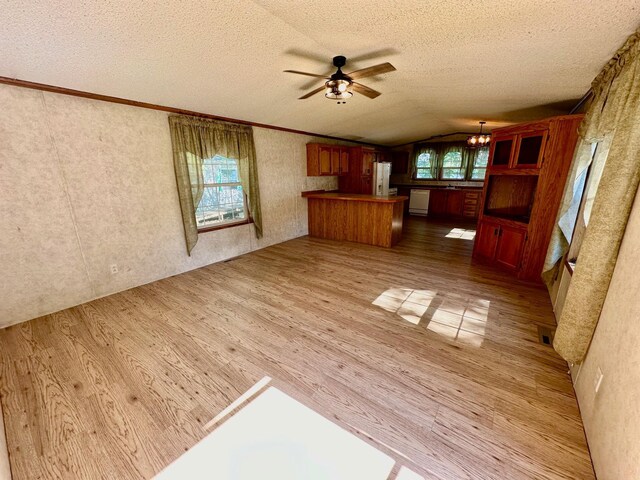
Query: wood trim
[[152, 106], [213, 228]]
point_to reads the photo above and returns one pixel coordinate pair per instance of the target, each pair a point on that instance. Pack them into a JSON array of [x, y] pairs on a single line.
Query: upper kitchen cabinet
[[327, 160], [399, 162], [359, 177]]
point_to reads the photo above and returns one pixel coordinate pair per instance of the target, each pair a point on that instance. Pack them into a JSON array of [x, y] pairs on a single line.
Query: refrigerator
[[381, 172]]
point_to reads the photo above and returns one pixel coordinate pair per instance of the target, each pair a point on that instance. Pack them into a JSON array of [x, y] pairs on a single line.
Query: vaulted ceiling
[[457, 61]]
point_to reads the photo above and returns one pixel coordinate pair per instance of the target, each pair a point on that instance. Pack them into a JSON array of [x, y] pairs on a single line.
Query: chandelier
[[480, 140]]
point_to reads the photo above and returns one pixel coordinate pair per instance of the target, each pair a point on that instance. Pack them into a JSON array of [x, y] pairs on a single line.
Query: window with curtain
[[480, 163], [222, 201], [587, 188], [216, 175], [452, 168], [425, 163], [449, 161]]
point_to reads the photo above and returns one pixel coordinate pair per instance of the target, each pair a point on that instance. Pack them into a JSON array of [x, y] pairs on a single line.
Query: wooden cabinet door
[[455, 203], [400, 163], [344, 161], [324, 160], [335, 161], [510, 247], [486, 240], [530, 149], [366, 185], [438, 202], [502, 149], [368, 157]]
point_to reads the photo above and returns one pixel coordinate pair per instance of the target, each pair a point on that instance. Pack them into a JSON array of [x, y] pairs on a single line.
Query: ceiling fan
[[341, 86]]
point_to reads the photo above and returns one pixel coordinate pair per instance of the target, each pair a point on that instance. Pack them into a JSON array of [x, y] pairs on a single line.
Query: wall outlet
[[597, 381], [114, 269]]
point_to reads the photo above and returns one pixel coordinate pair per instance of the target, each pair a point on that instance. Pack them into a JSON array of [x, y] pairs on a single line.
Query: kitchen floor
[[414, 350]]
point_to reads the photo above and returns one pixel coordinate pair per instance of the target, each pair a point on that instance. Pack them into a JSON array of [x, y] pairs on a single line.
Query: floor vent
[[545, 335]]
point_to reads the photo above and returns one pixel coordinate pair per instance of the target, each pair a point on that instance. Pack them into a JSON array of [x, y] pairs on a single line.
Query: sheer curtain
[[613, 121], [418, 149], [195, 139]]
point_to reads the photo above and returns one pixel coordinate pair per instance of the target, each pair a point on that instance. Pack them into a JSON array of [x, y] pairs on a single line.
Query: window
[[480, 164], [222, 200], [452, 166], [424, 165], [587, 186]]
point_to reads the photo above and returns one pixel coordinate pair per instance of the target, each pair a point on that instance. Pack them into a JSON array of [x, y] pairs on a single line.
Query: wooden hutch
[[528, 168]]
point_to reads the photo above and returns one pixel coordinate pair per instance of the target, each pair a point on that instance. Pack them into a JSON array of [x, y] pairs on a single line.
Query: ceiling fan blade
[[307, 55], [384, 52], [371, 71], [366, 91], [306, 73], [312, 92]]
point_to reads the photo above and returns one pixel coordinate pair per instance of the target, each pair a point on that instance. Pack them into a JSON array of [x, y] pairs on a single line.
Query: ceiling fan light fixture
[[339, 89], [480, 140]]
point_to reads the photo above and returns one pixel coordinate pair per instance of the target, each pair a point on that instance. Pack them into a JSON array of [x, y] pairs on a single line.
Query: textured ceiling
[[458, 61]]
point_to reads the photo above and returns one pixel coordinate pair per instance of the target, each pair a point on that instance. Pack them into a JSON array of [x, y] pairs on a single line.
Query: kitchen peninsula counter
[[366, 219]]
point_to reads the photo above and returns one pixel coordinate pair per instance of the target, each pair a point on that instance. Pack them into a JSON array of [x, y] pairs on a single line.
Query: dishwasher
[[419, 202]]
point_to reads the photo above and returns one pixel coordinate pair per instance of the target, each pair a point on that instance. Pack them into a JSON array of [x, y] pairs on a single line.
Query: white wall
[[612, 416], [86, 184]]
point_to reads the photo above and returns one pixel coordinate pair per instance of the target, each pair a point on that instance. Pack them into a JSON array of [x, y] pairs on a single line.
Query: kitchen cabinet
[[368, 157], [357, 177], [471, 204], [460, 202], [399, 163], [500, 244], [344, 161], [323, 160], [455, 203], [438, 203]]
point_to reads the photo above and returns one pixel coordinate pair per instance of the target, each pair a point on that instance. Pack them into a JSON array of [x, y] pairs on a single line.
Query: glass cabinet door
[[530, 150], [502, 148]]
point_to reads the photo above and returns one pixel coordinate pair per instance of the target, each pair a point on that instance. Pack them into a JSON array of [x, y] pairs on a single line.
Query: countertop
[[435, 187], [353, 197]]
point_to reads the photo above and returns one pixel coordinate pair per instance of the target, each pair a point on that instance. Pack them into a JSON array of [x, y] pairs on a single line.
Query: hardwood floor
[[429, 358]]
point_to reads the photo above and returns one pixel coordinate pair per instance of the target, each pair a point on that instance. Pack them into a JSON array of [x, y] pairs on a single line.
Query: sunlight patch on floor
[[275, 436], [457, 318], [408, 474], [461, 233]]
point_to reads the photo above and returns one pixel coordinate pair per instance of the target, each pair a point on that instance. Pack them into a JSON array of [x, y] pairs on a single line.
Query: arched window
[[424, 166]]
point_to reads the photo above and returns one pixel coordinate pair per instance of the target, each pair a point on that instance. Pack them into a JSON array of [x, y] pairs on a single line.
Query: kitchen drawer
[[470, 201], [471, 195]]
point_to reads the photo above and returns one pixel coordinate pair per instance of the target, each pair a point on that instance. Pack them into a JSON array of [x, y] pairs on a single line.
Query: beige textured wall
[[612, 416], [86, 184]]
